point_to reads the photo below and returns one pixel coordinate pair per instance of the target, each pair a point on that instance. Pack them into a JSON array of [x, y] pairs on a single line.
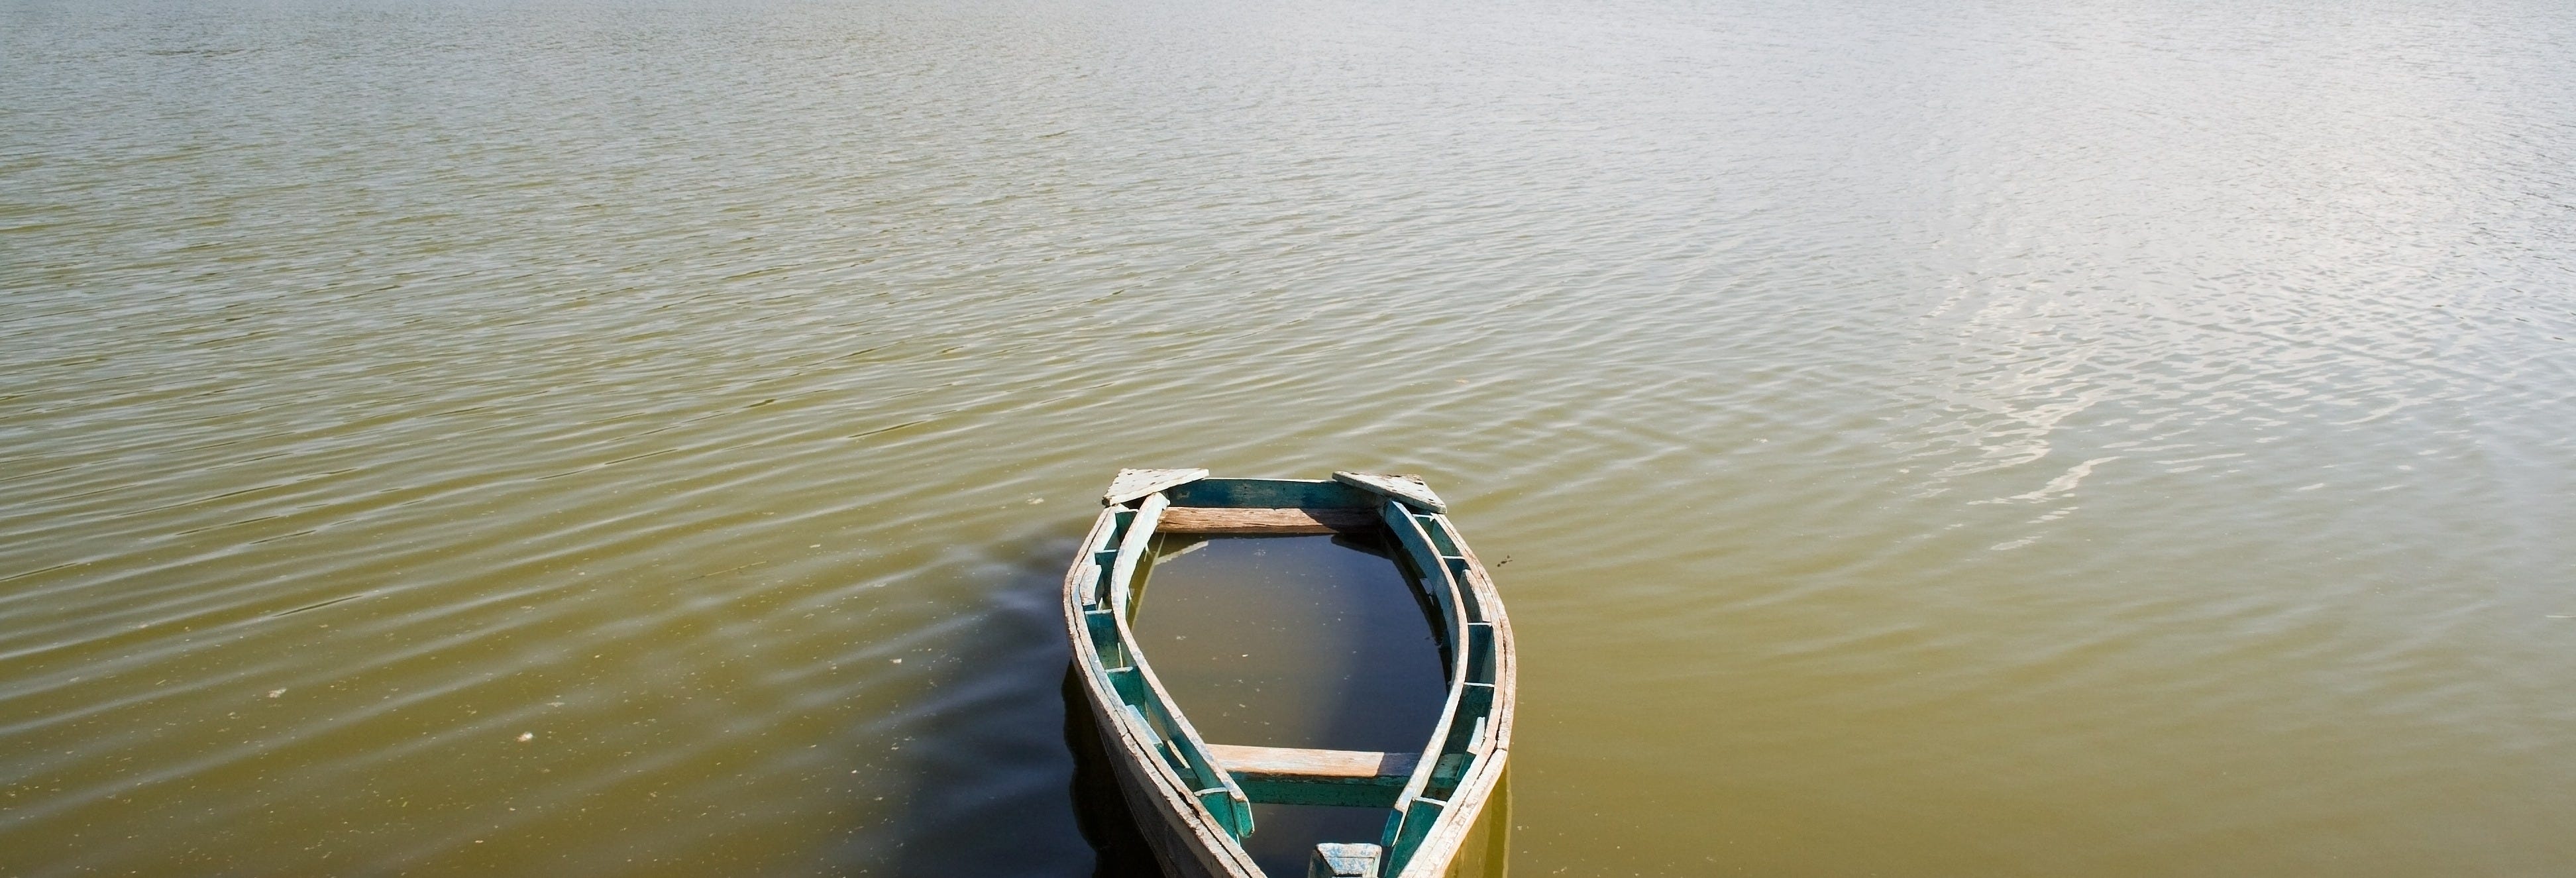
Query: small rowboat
[[1192, 799]]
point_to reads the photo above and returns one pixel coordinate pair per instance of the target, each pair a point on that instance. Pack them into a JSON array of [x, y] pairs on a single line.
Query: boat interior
[[1321, 669]]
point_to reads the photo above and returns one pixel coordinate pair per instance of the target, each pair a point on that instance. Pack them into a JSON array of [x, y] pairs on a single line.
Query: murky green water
[[470, 438]]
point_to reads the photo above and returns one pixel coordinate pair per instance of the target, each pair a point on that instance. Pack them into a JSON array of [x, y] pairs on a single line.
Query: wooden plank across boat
[[1192, 799]]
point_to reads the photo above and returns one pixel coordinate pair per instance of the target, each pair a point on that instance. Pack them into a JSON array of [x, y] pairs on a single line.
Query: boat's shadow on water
[[1118, 849], [1000, 770]]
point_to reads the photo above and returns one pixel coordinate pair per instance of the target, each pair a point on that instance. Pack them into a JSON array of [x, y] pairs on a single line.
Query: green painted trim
[[1270, 494]]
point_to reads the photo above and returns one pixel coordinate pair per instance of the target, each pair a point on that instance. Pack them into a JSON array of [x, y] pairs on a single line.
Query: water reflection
[[1295, 641], [1118, 849]]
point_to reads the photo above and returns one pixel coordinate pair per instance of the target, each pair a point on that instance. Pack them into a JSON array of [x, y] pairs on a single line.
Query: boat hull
[[1178, 842], [1187, 798]]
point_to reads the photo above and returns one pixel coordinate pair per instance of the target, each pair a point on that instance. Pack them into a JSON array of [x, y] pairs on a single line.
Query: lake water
[[633, 439]]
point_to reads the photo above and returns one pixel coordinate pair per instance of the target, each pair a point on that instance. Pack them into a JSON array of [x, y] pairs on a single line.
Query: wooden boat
[[1191, 798]]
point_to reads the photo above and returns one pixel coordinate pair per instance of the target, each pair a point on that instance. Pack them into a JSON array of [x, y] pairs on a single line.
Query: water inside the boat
[[1316, 641]]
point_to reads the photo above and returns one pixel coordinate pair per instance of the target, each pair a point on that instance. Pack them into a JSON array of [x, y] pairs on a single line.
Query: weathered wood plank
[[1198, 520], [1333, 860], [1134, 483], [1347, 778], [1289, 763], [1131, 550], [1410, 489]]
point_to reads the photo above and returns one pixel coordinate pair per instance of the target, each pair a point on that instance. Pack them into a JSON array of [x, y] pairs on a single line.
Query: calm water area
[[484, 437]]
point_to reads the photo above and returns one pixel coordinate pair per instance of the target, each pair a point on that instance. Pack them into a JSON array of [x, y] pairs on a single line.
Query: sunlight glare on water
[[501, 437]]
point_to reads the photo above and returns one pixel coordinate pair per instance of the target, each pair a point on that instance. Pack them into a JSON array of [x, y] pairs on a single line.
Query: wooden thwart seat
[[1290, 776], [1215, 520]]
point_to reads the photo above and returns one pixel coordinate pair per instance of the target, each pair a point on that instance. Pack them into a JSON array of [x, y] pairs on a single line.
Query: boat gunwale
[[1448, 834], [1489, 750], [1232, 860]]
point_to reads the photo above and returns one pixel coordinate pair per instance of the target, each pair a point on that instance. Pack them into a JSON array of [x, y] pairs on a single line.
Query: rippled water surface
[[599, 438]]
